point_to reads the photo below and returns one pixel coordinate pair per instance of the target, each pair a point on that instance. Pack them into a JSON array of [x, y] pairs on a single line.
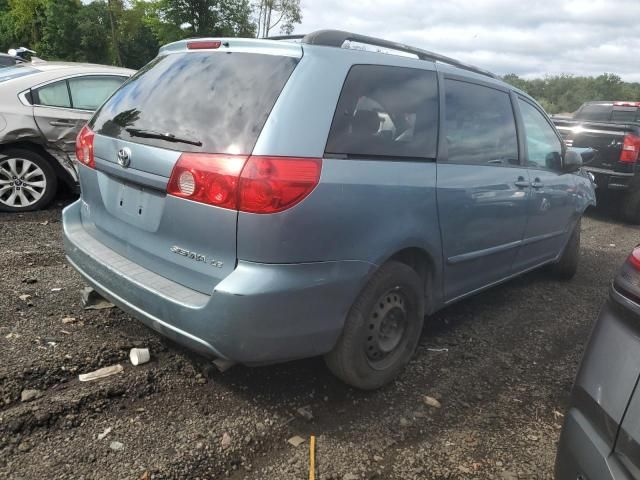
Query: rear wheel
[[27, 181], [382, 329], [567, 266]]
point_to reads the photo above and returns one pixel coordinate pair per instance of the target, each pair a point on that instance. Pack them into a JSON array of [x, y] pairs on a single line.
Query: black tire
[[567, 266], [367, 355], [631, 207], [48, 176]]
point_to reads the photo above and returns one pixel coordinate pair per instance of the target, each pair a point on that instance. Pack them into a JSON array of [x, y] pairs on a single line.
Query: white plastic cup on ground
[[138, 356]]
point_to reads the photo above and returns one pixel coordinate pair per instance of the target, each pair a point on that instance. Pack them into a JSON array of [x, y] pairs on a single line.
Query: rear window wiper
[[169, 137]]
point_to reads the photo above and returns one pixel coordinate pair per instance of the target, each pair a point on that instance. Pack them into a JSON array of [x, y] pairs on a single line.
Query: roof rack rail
[[336, 38], [286, 37]]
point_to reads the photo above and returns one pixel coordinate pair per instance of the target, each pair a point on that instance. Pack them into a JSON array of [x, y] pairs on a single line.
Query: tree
[[112, 6], [28, 17], [205, 18], [137, 42], [94, 31], [565, 93], [7, 27], [60, 35], [273, 13]]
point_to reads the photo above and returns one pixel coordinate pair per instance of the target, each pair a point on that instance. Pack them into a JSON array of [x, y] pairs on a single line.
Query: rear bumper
[[584, 454], [259, 314], [611, 180]]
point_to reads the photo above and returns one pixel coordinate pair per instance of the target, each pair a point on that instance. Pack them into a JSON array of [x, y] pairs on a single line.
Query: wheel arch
[[61, 173], [424, 264]]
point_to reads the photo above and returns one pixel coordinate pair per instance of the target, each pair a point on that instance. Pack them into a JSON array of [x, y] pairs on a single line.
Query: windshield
[[218, 101]]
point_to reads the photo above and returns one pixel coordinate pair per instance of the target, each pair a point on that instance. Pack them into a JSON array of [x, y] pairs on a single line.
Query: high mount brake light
[[84, 147], [203, 44], [256, 184], [630, 149], [626, 104]]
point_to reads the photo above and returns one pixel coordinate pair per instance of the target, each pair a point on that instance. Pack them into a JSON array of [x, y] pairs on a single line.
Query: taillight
[[634, 258], [273, 184], [207, 178], [630, 149], [627, 282], [84, 147], [254, 184]]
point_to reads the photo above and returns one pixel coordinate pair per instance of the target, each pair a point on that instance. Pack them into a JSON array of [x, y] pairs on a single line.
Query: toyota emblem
[[124, 157]]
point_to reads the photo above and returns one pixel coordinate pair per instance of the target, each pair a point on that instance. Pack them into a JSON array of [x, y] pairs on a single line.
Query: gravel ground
[[501, 364]]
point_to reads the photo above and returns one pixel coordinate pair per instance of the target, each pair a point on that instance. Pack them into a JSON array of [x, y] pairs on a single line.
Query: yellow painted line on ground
[[312, 458]]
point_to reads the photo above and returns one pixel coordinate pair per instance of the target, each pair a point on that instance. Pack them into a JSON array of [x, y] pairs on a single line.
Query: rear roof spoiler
[[236, 44]]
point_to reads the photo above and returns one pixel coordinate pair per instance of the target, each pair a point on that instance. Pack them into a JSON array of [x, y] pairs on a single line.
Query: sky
[[531, 38]]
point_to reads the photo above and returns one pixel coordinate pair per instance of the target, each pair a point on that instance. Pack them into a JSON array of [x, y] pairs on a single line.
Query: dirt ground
[[501, 364]]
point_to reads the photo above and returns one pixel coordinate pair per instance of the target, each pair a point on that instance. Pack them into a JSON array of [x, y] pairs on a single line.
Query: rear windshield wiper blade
[[169, 137]]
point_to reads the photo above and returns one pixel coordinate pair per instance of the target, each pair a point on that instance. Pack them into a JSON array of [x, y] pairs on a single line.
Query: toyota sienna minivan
[[267, 200]]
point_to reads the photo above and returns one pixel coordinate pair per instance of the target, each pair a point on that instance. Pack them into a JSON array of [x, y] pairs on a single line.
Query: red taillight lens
[[634, 258], [273, 184], [264, 185], [203, 44], [84, 147], [630, 149], [207, 178]]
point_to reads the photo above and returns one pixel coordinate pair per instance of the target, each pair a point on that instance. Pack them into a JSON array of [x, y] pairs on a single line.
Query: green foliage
[[565, 93], [126, 32], [59, 32], [93, 29]]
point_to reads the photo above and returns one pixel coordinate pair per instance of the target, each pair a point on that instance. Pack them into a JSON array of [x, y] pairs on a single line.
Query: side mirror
[[572, 161]]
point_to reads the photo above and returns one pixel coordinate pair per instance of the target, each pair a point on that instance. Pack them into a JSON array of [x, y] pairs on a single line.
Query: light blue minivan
[[266, 200]]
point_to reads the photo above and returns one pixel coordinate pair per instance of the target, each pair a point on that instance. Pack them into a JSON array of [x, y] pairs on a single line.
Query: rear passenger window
[[54, 95], [88, 93], [386, 111], [480, 125]]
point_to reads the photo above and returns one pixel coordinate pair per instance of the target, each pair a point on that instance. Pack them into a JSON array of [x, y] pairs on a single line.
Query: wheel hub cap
[[386, 327], [22, 182]]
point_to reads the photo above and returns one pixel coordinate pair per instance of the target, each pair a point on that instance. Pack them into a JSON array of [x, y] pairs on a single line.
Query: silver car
[[42, 108]]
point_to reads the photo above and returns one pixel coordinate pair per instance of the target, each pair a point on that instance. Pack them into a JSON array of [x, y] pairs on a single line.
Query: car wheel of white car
[[27, 181]]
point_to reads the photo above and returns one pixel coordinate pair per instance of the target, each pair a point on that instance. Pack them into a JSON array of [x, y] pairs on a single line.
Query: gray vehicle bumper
[[584, 454], [600, 396], [259, 314]]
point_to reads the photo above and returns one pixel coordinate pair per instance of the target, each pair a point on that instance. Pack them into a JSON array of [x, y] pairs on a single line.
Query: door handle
[[522, 183], [537, 183], [62, 123]]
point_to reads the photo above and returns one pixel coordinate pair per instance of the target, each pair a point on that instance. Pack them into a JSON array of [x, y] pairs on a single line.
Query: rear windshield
[[595, 112], [625, 114], [17, 71], [216, 102]]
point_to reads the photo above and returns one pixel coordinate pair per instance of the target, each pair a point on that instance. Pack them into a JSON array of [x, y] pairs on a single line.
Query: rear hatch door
[[201, 101]]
